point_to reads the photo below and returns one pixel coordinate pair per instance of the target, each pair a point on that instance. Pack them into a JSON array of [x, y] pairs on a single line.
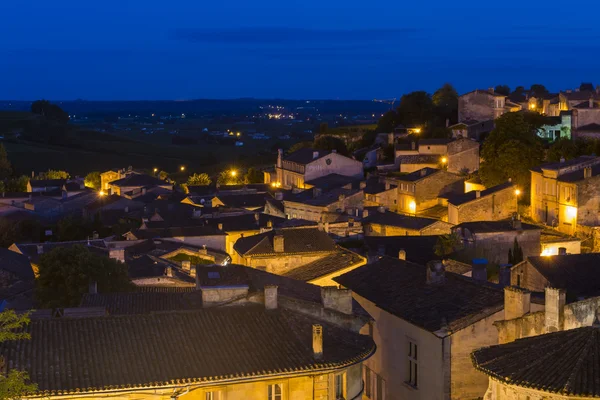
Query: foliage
[[586, 87], [445, 101], [512, 149], [502, 89], [515, 255], [388, 153], [17, 184], [92, 180], [519, 90], [330, 143], [15, 384], [52, 112], [19, 231], [367, 139], [438, 132], [416, 108], [199, 180], [53, 174], [66, 272], [538, 90], [388, 122], [5, 167], [323, 127], [163, 175], [76, 228], [253, 175], [300, 145], [447, 244], [194, 260], [229, 178]]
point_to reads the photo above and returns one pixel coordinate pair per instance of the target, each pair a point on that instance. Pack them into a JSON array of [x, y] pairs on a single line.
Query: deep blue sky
[[351, 49]]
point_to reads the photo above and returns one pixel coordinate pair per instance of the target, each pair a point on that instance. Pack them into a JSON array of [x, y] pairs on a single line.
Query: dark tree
[[323, 127], [92, 180], [586, 87], [519, 90], [515, 255], [254, 175], [538, 90], [502, 89], [415, 109], [52, 112], [331, 143], [388, 122], [66, 272], [445, 101], [5, 167]]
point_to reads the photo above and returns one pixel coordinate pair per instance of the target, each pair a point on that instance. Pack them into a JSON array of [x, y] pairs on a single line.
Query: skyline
[[299, 50]]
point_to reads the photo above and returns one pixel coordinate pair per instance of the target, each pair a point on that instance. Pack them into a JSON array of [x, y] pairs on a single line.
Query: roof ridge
[[583, 354]]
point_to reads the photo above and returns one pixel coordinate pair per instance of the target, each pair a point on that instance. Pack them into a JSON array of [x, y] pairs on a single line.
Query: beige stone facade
[[496, 206], [422, 193]]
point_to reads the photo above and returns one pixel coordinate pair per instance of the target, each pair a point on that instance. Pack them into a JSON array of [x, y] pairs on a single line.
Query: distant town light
[[238, 134], [418, 130], [532, 106], [155, 170]]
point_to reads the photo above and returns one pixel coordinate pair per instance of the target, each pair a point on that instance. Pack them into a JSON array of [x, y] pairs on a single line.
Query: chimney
[[278, 196], [334, 151], [126, 209], [587, 172], [336, 299], [64, 195], [387, 186], [363, 184], [326, 227], [479, 269], [516, 224], [477, 194], [186, 265], [193, 271], [93, 288], [423, 172], [562, 159], [435, 273], [491, 90], [317, 335], [169, 272], [315, 155], [320, 225], [365, 213], [117, 254], [413, 145], [554, 314], [257, 217], [203, 250], [144, 191], [381, 209], [269, 224], [402, 254], [279, 158], [40, 249], [562, 251], [278, 245], [517, 302], [316, 192], [504, 275], [220, 226], [591, 102], [271, 297]]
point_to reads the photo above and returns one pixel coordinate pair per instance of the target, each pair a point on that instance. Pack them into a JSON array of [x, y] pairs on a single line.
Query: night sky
[[183, 49]]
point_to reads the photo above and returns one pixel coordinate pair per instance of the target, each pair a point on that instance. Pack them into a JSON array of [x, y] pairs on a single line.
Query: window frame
[[412, 356], [273, 395]]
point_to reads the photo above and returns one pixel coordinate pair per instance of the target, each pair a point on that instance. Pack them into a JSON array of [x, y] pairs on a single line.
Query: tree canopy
[[53, 174], [66, 272], [5, 166], [538, 90], [253, 175], [445, 101], [512, 149], [52, 112], [502, 89], [300, 145], [586, 87], [330, 143], [15, 384], [92, 180], [199, 180]]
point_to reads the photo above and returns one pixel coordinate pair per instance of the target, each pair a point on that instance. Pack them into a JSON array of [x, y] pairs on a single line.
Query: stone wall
[[588, 201], [333, 164], [463, 154], [495, 246], [280, 264], [476, 105], [496, 206], [442, 182], [525, 276]]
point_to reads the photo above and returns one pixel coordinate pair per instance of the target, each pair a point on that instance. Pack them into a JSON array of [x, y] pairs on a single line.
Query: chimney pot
[[477, 194], [269, 224], [562, 251], [381, 209], [587, 172], [423, 172], [315, 155], [413, 145], [278, 243], [279, 196], [365, 213], [186, 265], [169, 272], [40, 249], [193, 271], [517, 302], [479, 270], [270, 297], [402, 254], [220, 226], [436, 273], [591, 102], [363, 184], [317, 331], [554, 314]]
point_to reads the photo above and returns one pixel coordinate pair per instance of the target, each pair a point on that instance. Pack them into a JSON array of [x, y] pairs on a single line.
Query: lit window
[[275, 392], [339, 386], [213, 395], [413, 370]]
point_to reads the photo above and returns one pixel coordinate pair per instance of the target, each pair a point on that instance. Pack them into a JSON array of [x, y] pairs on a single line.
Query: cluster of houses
[[321, 283]]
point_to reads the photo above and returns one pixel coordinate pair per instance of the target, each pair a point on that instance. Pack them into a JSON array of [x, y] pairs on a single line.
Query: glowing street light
[[182, 168], [418, 130], [233, 172], [517, 192], [155, 170], [444, 160], [412, 206], [101, 193]]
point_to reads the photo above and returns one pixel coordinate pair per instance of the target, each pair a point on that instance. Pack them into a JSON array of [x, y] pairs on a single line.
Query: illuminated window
[[213, 395], [275, 392], [412, 377]]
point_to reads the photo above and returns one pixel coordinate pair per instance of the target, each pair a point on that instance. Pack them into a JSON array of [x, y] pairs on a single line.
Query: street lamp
[[101, 193], [444, 160], [155, 170], [233, 172], [182, 168], [517, 192]]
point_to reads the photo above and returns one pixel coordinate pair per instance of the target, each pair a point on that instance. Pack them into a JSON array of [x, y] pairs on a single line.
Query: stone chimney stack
[[317, 335], [436, 273], [477, 194], [336, 299], [193, 271], [279, 158], [40, 249], [269, 224], [278, 244], [169, 272], [270, 297], [220, 226], [517, 302], [423, 172], [402, 254], [554, 314], [117, 254], [413, 145], [363, 184], [186, 265], [279, 196], [562, 251], [587, 172], [93, 288], [591, 102], [479, 269]]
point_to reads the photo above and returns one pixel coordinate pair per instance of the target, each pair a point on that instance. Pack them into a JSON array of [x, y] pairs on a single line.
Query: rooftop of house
[[419, 249], [565, 362], [159, 248], [295, 240], [305, 156], [251, 200], [401, 288], [506, 225], [418, 175], [389, 218], [578, 175], [374, 185], [490, 92], [149, 266], [580, 95], [16, 264], [177, 231], [460, 199], [435, 141], [47, 182], [34, 250], [577, 273], [586, 104], [327, 265], [431, 159], [333, 181], [323, 199], [104, 358], [138, 180], [246, 222], [557, 166]]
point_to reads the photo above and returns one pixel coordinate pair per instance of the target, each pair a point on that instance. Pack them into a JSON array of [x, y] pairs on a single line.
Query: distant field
[[354, 130]]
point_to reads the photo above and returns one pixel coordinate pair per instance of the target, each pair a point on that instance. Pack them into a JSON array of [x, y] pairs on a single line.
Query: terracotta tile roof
[[332, 181], [418, 175], [566, 362], [325, 266], [47, 182], [17, 264], [556, 166], [138, 180], [400, 288], [305, 156], [577, 273], [70, 355], [398, 220], [295, 240]]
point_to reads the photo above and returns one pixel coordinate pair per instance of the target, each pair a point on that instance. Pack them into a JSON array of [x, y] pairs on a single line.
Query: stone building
[[134, 185], [493, 239], [285, 250], [381, 222], [46, 185], [427, 323], [381, 191], [454, 155], [308, 164], [492, 204], [565, 194], [484, 105], [240, 334], [422, 189], [472, 129], [576, 273], [318, 205]]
